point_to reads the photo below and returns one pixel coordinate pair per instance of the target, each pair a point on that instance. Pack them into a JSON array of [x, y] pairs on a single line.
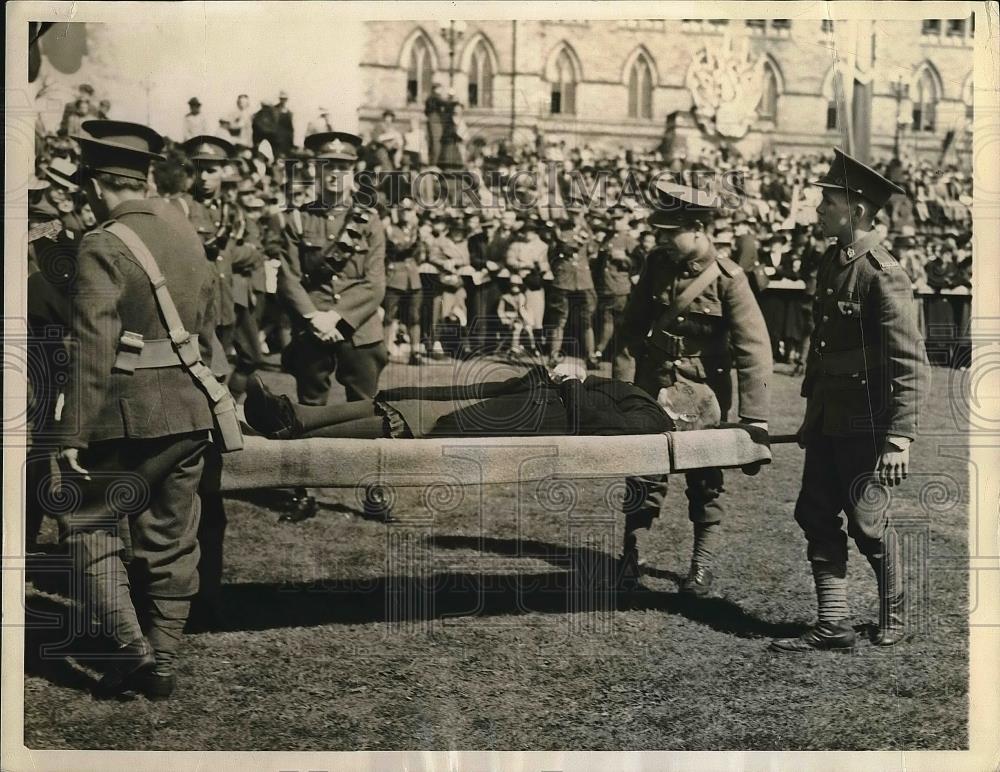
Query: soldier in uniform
[[51, 269], [135, 421], [332, 280], [721, 327], [211, 216], [615, 271], [572, 289], [403, 299], [866, 369], [246, 256], [206, 166]]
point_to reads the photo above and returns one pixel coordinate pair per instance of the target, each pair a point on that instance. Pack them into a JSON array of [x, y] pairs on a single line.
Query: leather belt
[[847, 362], [135, 353]]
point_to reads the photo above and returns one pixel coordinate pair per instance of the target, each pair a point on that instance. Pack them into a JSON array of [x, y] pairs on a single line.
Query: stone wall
[[602, 52]]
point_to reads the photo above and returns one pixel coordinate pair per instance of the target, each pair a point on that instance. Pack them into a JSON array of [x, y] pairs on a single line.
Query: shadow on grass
[[587, 582], [49, 642]]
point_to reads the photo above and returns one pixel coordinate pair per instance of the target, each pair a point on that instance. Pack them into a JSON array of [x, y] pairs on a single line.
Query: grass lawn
[[473, 622]]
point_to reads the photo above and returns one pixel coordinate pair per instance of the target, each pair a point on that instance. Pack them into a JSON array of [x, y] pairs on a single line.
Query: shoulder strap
[[139, 250], [729, 267], [882, 258], [693, 290], [186, 345]]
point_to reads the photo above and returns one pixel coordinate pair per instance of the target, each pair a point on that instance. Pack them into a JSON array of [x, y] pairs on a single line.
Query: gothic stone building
[[614, 83]]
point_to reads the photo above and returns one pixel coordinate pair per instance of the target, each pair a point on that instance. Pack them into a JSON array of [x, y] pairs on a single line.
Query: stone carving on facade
[[726, 82]]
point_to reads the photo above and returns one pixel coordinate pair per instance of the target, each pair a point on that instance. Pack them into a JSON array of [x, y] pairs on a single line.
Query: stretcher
[[350, 463]]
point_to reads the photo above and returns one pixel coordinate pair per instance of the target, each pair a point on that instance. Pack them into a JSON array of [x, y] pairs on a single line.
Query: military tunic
[[721, 329], [403, 283], [144, 431], [865, 374], [350, 283]]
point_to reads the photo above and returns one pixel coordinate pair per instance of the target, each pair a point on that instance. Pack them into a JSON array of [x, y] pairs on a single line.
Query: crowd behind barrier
[[495, 247]]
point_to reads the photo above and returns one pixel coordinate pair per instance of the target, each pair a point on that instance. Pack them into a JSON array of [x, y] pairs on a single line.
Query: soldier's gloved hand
[[324, 325], [756, 429]]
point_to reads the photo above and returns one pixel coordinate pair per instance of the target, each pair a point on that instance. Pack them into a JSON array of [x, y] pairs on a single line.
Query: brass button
[[826, 317], [863, 381], [850, 252], [336, 296], [829, 290], [680, 318], [822, 344]]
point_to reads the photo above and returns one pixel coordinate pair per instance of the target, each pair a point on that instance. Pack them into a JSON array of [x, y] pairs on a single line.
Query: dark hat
[[119, 148], [205, 147], [851, 175], [903, 242], [86, 88], [338, 145], [679, 205], [193, 101]]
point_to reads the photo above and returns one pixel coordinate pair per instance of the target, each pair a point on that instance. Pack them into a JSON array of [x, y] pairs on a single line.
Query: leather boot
[[130, 661], [698, 582], [892, 628], [891, 622], [273, 415], [823, 636]]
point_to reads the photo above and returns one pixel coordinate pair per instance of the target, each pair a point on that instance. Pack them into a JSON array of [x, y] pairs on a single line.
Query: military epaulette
[[728, 267], [881, 257], [98, 228]]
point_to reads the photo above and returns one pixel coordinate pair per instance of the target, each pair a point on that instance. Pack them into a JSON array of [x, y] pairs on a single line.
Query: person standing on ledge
[[865, 372]]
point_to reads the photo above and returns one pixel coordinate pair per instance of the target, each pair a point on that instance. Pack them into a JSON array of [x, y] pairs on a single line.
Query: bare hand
[[893, 466], [71, 458]]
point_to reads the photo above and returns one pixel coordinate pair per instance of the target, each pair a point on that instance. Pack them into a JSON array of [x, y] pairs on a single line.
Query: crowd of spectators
[[534, 247]]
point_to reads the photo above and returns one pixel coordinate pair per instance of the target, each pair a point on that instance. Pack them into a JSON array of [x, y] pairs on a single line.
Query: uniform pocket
[[849, 309]]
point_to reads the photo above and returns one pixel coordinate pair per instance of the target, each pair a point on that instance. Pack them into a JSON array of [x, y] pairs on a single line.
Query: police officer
[[332, 280], [135, 421], [865, 371], [675, 344]]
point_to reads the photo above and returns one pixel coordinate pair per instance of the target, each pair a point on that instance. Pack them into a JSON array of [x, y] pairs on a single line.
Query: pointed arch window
[[640, 88], [419, 72], [480, 77], [925, 99], [768, 107], [562, 99]]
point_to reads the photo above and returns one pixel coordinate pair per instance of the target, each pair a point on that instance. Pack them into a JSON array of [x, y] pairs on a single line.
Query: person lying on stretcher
[[542, 402]]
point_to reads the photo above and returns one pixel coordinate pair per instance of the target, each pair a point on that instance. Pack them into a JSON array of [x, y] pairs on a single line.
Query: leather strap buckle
[[130, 346]]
